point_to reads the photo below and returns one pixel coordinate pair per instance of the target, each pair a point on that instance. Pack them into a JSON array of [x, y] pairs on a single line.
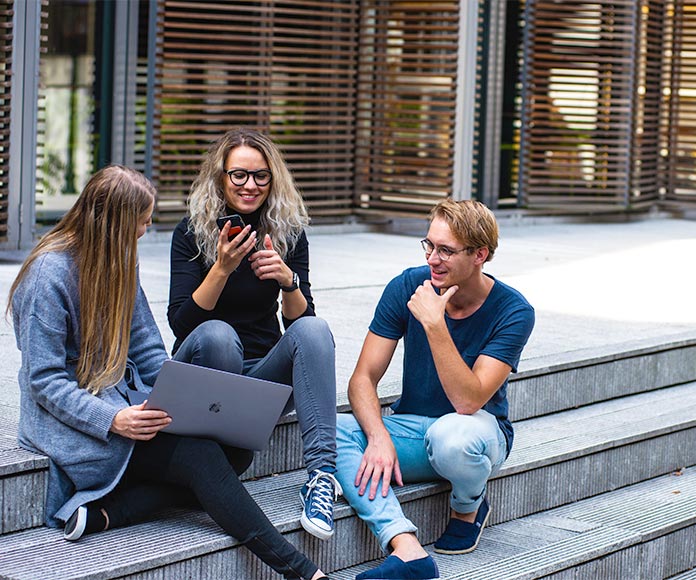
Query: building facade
[[382, 107]]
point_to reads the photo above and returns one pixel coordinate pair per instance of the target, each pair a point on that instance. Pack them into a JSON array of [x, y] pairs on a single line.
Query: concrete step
[[688, 575], [558, 459], [570, 456], [548, 384], [543, 386], [646, 531], [22, 479]]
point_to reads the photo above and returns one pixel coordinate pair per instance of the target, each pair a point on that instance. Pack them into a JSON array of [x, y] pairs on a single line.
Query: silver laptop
[[232, 409]]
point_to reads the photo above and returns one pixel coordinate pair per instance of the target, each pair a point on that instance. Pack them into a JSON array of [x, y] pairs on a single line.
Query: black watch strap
[[295, 284]]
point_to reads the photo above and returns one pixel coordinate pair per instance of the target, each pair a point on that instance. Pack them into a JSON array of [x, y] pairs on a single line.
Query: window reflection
[[67, 137]]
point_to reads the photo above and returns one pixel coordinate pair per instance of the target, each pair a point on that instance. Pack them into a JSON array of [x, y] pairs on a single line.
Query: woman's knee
[[310, 330], [214, 332], [215, 344], [312, 327]]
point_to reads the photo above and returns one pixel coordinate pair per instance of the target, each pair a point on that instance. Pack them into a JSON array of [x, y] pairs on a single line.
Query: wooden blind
[[406, 105], [647, 179], [681, 163], [283, 66], [590, 100], [6, 13]]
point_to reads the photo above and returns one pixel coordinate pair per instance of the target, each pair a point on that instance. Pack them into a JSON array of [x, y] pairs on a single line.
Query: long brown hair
[[101, 232]]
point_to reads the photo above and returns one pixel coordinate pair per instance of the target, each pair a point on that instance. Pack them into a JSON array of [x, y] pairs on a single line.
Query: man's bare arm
[[379, 460], [468, 389]]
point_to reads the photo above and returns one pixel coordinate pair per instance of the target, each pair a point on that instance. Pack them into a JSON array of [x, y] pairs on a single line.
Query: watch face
[[294, 285]]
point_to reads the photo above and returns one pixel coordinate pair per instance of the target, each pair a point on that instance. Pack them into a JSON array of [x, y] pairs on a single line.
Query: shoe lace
[[326, 491]]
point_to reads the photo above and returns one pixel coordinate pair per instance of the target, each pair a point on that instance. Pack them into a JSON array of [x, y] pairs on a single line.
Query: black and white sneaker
[[76, 525]]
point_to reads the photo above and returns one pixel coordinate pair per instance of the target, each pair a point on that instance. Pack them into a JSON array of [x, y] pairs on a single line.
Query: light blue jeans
[[303, 358], [465, 450]]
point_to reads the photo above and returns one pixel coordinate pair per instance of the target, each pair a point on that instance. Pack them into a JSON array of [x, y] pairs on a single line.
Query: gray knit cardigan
[[57, 417]]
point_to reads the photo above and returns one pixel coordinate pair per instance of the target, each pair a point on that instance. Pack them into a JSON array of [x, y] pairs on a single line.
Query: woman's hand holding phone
[[236, 224], [232, 249]]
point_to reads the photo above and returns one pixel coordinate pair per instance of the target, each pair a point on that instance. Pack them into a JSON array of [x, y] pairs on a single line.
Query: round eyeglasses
[[239, 177], [443, 252]]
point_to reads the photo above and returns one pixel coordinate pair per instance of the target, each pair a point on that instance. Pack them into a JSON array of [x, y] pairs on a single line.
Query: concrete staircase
[[601, 483]]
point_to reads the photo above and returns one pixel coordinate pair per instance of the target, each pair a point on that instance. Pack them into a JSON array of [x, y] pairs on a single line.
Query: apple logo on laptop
[[215, 407]]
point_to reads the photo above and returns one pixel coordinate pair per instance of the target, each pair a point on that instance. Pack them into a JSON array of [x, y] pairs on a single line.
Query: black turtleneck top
[[248, 304]]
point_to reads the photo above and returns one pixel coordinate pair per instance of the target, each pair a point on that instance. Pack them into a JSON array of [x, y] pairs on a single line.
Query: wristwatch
[[295, 284]]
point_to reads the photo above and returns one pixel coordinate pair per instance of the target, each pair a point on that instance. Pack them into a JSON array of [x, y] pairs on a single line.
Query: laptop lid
[[232, 409]]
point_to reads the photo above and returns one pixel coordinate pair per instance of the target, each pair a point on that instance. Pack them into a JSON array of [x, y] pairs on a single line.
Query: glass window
[[68, 136]]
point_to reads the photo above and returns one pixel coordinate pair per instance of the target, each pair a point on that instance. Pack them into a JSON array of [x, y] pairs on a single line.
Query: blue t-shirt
[[499, 329]]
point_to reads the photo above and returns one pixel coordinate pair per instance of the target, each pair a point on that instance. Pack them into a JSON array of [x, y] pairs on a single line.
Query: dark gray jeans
[[170, 471], [174, 471], [303, 358]]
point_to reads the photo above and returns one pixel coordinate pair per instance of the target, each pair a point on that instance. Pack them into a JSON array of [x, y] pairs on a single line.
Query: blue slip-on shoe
[[318, 496], [462, 537], [76, 525], [394, 568]]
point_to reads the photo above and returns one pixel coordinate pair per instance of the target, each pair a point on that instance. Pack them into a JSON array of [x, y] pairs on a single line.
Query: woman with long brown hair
[[87, 337]]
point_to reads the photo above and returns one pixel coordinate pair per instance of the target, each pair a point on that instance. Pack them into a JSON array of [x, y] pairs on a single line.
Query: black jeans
[[174, 471]]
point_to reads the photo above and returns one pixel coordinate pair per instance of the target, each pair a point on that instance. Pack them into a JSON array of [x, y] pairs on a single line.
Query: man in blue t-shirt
[[463, 333]]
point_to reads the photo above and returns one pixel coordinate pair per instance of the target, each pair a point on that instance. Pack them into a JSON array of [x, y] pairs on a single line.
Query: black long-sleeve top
[[248, 304]]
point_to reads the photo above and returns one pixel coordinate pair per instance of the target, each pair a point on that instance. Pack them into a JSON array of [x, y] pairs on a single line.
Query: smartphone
[[237, 224]]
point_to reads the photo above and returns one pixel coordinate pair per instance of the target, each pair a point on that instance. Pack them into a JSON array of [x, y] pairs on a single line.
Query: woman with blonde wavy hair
[[224, 290], [88, 339]]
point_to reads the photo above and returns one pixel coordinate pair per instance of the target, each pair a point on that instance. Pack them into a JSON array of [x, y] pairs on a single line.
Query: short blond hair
[[471, 222]]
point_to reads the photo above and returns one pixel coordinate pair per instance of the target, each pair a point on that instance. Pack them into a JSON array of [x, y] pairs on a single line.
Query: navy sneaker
[[394, 568], [462, 537], [318, 496], [76, 525]]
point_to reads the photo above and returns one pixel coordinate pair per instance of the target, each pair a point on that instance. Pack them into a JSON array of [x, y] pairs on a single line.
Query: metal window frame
[[462, 171], [124, 82], [21, 209]]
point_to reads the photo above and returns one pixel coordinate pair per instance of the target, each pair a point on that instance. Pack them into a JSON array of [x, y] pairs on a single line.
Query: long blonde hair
[[283, 216], [101, 232]]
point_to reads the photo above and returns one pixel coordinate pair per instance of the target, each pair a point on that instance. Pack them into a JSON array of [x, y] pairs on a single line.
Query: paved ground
[[592, 285]]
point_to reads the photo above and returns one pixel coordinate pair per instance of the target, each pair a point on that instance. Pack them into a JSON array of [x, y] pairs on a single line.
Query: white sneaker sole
[[80, 525]]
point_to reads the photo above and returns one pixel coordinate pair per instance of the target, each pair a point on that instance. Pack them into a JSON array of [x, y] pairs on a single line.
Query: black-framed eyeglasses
[[443, 252], [239, 176]]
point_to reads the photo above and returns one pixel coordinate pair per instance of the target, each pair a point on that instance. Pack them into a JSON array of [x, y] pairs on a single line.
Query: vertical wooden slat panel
[[682, 118], [579, 101], [285, 67], [406, 104], [646, 178], [6, 32]]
